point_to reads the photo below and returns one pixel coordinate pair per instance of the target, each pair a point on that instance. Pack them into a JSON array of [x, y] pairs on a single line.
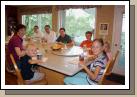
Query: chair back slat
[[18, 73], [8, 67], [109, 70], [109, 67]]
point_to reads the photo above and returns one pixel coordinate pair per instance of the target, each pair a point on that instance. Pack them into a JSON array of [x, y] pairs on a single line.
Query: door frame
[[117, 30]]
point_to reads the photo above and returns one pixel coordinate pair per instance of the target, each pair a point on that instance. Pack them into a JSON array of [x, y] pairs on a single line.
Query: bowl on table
[[56, 46]]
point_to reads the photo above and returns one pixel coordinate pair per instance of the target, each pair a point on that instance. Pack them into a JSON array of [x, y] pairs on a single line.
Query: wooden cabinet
[[11, 19]]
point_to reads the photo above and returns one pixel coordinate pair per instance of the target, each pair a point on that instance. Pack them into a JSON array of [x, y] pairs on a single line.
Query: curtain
[[34, 9], [64, 7]]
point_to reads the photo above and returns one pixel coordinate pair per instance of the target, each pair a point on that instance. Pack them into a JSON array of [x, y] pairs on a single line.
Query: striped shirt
[[101, 62]]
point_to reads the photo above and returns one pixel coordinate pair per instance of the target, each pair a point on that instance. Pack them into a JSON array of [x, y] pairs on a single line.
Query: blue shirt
[[26, 67]]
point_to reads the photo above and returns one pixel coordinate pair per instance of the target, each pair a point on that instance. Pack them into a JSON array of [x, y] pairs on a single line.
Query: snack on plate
[[56, 46]]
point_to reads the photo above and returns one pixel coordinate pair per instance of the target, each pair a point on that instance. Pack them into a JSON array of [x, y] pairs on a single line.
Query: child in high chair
[[26, 64], [93, 75]]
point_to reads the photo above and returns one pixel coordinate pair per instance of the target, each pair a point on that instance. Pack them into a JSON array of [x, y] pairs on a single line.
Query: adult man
[[37, 33], [64, 38], [49, 35]]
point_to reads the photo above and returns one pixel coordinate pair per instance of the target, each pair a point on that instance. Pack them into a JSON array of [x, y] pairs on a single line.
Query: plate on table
[[56, 46]]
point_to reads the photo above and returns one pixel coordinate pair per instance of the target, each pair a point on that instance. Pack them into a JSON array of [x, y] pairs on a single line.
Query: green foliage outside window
[[38, 19], [78, 21]]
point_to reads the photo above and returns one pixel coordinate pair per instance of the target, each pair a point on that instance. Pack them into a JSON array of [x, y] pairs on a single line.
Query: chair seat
[[20, 80]]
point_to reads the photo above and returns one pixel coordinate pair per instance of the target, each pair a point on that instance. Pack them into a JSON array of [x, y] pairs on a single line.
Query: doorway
[[119, 39]]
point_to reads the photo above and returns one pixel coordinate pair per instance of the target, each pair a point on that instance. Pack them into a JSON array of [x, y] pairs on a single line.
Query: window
[[122, 45], [36, 19], [77, 22]]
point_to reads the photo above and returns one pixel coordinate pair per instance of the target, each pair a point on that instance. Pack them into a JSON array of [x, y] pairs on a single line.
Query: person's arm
[[54, 37], [81, 45], [58, 39], [19, 52], [35, 61], [69, 41], [92, 75]]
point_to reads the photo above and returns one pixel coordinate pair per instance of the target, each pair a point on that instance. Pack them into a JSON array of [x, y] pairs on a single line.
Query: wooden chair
[[20, 80], [109, 71], [8, 67], [108, 68]]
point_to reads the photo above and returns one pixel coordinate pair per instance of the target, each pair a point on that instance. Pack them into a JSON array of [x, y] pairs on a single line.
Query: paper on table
[[74, 61], [44, 59]]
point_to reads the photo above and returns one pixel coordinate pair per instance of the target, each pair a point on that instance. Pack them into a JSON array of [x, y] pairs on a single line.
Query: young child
[[26, 64], [92, 75], [88, 42], [107, 50]]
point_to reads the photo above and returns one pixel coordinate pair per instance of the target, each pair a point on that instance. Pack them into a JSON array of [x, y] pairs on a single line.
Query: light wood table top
[[65, 62]]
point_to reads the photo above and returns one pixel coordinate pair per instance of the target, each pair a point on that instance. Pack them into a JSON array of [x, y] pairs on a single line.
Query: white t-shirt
[[37, 35], [50, 37]]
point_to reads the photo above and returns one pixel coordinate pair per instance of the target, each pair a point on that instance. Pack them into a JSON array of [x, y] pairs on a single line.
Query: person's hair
[[62, 29], [88, 32], [19, 26], [47, 26], [100, 40], [106, 42], [36, 26], [30, 45]]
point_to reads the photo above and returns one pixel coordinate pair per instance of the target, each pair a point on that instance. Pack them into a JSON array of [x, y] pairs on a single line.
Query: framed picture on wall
[[103, 28]]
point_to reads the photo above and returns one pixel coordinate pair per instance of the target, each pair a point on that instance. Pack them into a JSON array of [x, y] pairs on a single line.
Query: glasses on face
[[95, 47]]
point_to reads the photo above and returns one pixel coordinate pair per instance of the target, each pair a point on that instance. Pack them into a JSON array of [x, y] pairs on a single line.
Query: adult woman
[[15, 45]]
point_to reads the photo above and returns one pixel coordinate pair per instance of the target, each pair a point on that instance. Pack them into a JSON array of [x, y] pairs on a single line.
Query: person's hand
[[91, 57], [23, 52], [40, 62], [82, 64], [90, 51]]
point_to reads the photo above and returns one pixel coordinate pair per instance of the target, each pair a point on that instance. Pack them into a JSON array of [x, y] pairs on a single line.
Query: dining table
[[60, 63]]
